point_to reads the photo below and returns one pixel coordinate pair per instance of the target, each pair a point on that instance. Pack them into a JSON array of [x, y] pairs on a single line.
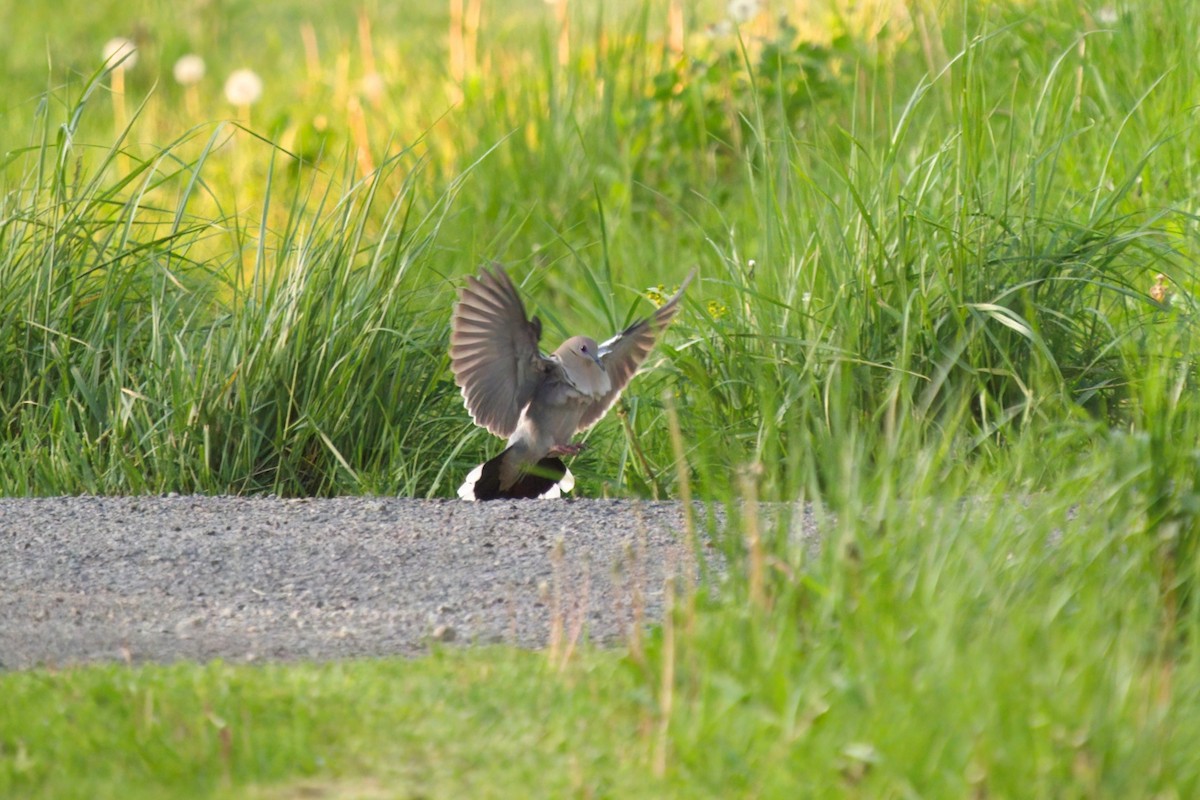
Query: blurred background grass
[[917, 225], [947, 251]]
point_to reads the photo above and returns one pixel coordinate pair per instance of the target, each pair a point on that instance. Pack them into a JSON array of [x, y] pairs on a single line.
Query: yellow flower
[[1160, 292], [657, 295]]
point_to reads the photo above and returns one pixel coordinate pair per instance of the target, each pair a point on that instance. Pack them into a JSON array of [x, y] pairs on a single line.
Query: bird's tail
[[549, 478]]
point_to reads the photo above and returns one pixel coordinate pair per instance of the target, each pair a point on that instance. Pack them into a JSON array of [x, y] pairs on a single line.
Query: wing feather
[[494, 351], [624, 353]]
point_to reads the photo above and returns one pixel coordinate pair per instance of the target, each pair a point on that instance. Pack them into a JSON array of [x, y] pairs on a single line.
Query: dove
[[537, 402]]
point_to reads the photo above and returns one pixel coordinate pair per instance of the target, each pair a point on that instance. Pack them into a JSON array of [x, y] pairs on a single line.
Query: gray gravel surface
[[87, 579]]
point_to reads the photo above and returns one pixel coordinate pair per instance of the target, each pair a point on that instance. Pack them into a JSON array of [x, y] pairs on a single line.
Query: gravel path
[[86, 579]]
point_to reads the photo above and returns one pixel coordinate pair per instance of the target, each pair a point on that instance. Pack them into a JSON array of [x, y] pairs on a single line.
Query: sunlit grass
[[1004, 645], [949, 253], [436, 727], [929, 301]]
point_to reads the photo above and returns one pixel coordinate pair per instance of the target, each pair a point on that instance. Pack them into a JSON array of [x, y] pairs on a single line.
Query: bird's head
[[580, 357]]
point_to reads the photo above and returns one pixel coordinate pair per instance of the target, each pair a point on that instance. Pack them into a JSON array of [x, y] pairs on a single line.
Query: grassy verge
[[453, 724], [947, 291], [998, 646]]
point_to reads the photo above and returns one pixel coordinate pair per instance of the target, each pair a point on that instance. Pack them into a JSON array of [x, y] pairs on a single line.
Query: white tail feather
[[467, 490]]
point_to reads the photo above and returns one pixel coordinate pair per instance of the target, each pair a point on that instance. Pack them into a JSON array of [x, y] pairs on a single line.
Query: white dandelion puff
[[189, 69], [243, 88], [120, 53], [742, 10], [373, 85], [719, 28], [1107, 16]]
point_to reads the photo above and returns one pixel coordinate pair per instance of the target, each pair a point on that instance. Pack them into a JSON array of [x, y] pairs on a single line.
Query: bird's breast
[[551, 419], [593, 383]]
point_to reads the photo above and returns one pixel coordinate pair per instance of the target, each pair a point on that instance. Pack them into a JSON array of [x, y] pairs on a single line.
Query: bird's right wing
[[494, 351]]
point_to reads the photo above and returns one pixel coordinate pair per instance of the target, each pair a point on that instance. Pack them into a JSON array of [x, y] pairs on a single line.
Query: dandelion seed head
[[373, 85], [1107, 15], [243, 87], [120, 53], [189, 69], [741, 11]]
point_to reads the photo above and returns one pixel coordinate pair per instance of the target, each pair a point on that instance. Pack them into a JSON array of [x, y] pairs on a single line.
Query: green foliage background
[[947, 293], [939, 231]]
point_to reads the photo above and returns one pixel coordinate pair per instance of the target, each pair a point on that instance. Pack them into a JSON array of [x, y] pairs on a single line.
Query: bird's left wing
[[624, 353]]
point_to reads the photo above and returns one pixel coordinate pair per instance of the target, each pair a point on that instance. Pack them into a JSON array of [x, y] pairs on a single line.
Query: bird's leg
[[568, 449]]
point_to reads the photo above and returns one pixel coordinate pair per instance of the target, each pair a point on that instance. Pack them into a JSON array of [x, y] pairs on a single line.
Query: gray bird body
[[537, 402]]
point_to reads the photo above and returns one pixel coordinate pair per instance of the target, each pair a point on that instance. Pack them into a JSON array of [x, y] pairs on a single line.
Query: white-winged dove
[[536, 401]]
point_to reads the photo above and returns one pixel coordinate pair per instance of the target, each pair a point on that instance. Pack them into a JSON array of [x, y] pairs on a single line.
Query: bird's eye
[[583, 349]]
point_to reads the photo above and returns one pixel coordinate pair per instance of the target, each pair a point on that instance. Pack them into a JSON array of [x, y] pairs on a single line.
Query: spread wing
[[624, 353], [494, 351]]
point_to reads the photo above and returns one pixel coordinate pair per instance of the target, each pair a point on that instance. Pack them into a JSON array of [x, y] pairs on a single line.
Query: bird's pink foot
[[568, 449]]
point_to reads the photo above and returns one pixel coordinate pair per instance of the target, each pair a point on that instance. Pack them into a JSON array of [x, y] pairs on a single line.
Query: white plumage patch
[[467, 490]]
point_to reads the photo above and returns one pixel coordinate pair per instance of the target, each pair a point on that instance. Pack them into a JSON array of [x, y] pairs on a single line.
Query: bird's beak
[[599, 363]]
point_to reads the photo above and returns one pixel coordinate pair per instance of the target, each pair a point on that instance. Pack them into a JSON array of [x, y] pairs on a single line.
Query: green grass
[[1013, 649], [434, 727], [911, 245], [927, 256]]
